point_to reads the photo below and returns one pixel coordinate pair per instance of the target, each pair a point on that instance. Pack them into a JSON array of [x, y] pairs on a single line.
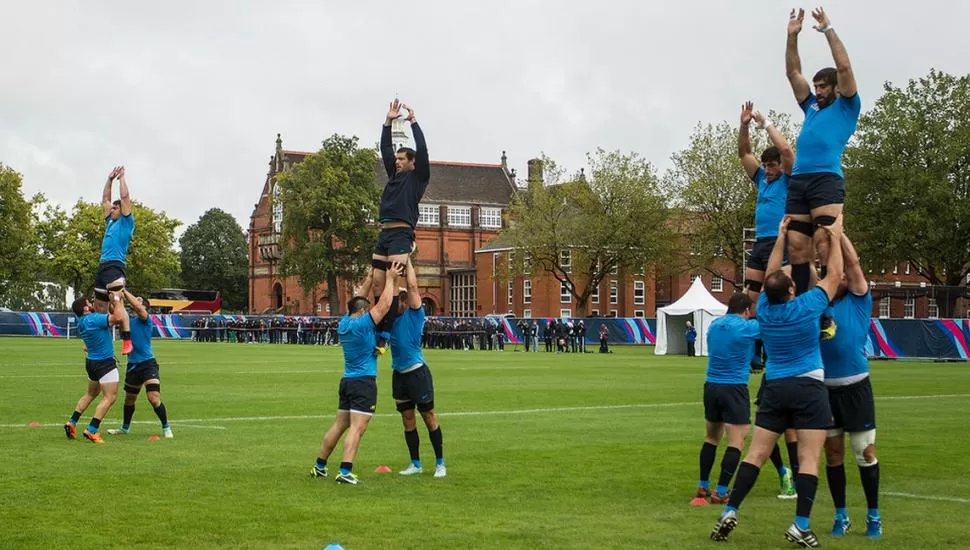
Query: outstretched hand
[[795, 21], [115, 172], [394, 109], [746, 113], [410, 111], [783, 226], [821, 19], [836, 229]]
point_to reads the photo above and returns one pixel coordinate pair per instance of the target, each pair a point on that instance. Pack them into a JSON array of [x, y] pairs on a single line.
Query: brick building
[[463, 209]]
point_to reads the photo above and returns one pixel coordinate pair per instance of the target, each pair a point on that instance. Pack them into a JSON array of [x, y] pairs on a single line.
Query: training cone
[[334, 547], [153, 438], [383, 469], [34, 424]]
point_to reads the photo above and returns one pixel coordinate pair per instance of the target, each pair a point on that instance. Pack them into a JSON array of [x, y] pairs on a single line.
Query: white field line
[[926, 497]]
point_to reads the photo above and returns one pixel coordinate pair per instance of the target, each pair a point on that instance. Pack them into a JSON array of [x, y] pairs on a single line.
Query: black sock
[[836, 475], [708, 453], [806, 485], [823, 271], [436, 443], [126, 335], [870, 484], [162, 414], [75, 417], [801, 275], [96, 423], [747, 476], [348, 466], [776, 458], [413, 442], [793, 457], [729, 464], [129, 412]]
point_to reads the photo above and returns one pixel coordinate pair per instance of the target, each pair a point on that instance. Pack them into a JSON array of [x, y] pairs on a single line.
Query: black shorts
[[416, 385], [108, 272], [799, 402], [358, 394], [761, 252], [853, 407], [98, 368], [394, 241], [728, 403], [138, 373], [807, 192]]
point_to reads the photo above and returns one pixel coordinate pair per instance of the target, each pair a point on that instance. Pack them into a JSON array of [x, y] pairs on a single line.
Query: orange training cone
[[383, 469], [153, 438]]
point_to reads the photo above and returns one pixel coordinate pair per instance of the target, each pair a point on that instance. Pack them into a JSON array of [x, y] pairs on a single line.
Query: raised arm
[[106, 193], [854, 276], [136, 305], [125, 197], [381, 308], [414, 294], [387, 148], [116, 311], [793, 64], [847, 85], [778, 251], [778, 140], [833, 278], [422, 163], [748, 161], [368, 281]]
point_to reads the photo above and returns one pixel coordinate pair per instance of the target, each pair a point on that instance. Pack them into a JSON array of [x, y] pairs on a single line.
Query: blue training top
[[96, 333], [358, 338], [117, 236], [730, 348], [824, 134], [406, 339], [790, 332], [772, 196], [845, 354], [141, 340]]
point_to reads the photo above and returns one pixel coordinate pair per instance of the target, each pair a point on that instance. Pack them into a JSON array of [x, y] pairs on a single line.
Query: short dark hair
[[738, 303], [776, 287], [117, 203], [356, 304], [771, 154], [408, 152], [828, 75], [78, 306]]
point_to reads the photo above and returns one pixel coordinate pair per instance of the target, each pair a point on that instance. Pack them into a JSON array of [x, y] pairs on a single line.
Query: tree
[[581, 229], [329, 205], [715, 198], [213, 257], [908, 180], [71, 247], [18, 244]]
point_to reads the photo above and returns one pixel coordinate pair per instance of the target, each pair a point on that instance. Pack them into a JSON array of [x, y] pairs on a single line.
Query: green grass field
[[543, 451]]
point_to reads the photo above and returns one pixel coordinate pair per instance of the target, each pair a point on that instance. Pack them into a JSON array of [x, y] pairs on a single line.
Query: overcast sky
[[190, 95]]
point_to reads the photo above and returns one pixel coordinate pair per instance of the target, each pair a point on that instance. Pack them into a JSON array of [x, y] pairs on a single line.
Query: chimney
[[505, 162], [535, 170], [279, 153]]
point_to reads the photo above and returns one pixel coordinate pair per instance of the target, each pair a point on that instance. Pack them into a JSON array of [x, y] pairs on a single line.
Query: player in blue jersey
[[850, 396], [95, 330], [412, 384], [727, 408], [795, 395], [816, 192], [142, 368], [358, 387], [119, 227]]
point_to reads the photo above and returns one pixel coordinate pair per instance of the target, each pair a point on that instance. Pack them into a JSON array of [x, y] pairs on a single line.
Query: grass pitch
[[543, 451]]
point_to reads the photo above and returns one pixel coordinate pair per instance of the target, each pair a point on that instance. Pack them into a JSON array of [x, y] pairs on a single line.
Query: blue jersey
[[406, 339], [358, 338], [141, 340], [790, 332], [772, 196], [824, 134], [845, 354], [96, 333], [730, 348], [117, 236]]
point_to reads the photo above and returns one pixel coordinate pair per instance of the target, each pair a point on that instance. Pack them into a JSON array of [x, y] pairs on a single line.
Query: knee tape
[[860, 441], [405, 406], [379, 264], [132, 389], [798, 226], [101, 294], [821, 220], [153, 387], [115, 286], [753, 286], [425, 407]]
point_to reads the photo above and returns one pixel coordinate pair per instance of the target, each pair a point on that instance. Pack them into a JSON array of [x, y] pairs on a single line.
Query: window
[[460, 216], [717, 284], [429, 214], [614, 298], [463, 299], [932, 310], [566, 260], [495, 256], [638, 313], [490, 218], [615, 270], [595, 296], [909, 308], [638, 293], [527, 291], [277, 209], [565, 297], [614, 314], [595, 313], [565, 313], [884, 311], [908, 265], [511, 263], [694, 277], [510, 292], [641, 271], [896, 269], [527, 264], [527, 313]]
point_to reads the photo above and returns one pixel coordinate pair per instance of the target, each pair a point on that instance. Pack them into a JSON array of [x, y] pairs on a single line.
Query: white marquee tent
[[699, 307]]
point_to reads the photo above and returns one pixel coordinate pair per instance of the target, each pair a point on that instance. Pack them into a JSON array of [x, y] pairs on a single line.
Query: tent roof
[[696, 298]]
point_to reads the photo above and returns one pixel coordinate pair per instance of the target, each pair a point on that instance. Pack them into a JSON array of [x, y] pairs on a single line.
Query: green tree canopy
[[19, 255], [213, 257]]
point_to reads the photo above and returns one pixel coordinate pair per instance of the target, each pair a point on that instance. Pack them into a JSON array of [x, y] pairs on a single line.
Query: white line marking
[[498, 369], [927, 497], [78, 375], [180, 425]]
